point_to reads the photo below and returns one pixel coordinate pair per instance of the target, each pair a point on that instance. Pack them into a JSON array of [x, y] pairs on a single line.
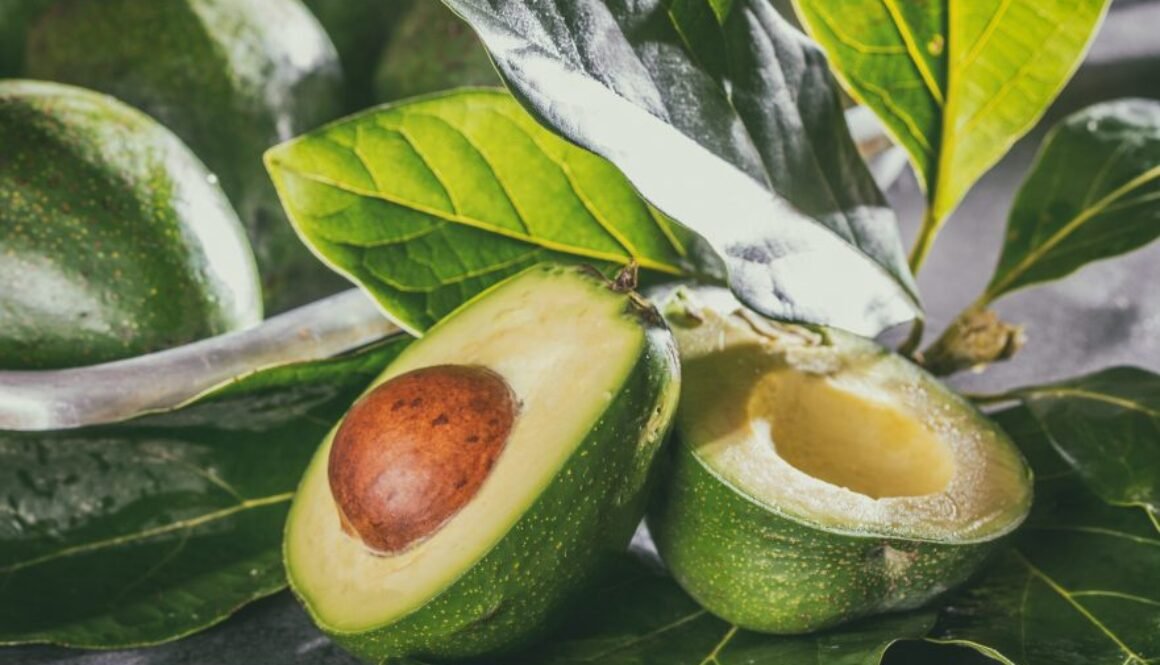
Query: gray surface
[[1107, 314]]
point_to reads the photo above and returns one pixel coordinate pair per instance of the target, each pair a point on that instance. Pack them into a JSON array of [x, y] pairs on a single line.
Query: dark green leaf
[[1093, 193], [728, 120], [641, 617], [957, 83], [145, 531], [1079, 585], [427, 203], [1107, 427]]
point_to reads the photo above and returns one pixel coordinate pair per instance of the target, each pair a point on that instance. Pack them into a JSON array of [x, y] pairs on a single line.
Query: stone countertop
[[1106, 314]]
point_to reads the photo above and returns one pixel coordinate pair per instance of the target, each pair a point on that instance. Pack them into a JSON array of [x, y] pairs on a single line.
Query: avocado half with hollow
[[485, 475], [818, 477]]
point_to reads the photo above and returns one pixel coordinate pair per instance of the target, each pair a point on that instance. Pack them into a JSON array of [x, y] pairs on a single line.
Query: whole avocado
[[359, 31], [15, 18], [230, 77], [113, 239], [431, 49]]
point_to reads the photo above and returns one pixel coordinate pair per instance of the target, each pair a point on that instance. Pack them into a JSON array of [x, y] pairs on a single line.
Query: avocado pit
[[415, 449]]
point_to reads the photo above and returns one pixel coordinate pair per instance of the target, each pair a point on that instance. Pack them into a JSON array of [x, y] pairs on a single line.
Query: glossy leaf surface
[[427, 203], [148, 530], [1079, 584], [727, 119], [1106, 426], [1093, 193]]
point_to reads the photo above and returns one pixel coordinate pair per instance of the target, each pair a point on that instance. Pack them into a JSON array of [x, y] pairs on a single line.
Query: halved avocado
[[818, 477], [593, 380], [114, 241]]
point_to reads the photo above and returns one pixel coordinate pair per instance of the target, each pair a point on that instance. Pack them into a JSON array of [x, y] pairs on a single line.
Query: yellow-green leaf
[[429, 202], [955, 81]]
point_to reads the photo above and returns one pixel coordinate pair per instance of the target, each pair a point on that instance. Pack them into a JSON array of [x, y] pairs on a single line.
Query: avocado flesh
[[567, 487], [818, 477]]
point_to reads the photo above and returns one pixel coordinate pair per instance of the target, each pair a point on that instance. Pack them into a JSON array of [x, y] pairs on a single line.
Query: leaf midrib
[[644, 262], [1094, 396], [1079, 607], [144, 534], [1000, 287]]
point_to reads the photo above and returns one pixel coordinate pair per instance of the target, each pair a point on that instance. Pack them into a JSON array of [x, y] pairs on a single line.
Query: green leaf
[[641, 617], [727, 119], [957, 82], [1093, 193], [427, 203], [1106, 426], [148, 530], [1080, 583]]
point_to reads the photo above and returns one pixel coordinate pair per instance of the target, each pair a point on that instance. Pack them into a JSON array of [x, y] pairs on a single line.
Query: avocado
[[230, 78], [817, 477], [114, 241], [503, 458], [359, 31], [15, 18], [431, 49]]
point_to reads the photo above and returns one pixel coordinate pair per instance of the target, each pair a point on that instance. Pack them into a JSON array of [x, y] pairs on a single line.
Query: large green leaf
[[1094, 192], [957, 82], [1080, 584], [429, 202], [147, 530], [641, 617], [727, 119], [1106, 425]]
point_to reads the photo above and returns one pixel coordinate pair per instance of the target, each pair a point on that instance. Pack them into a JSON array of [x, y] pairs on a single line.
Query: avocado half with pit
[[817, 477], [488, 472]]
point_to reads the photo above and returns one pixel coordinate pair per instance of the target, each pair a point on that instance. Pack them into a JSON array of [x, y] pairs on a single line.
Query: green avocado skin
[[231, 78], [431, 49], [359, 30], [113, 242], [584, 517], [15, 17], [765, 572]]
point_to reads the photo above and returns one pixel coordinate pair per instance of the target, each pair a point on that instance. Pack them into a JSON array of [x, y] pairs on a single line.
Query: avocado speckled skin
[[587, 514], [15, 17], [113, 242], [749, 551], [430, 50], [231, 78], [359, 30], [769, 573]]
